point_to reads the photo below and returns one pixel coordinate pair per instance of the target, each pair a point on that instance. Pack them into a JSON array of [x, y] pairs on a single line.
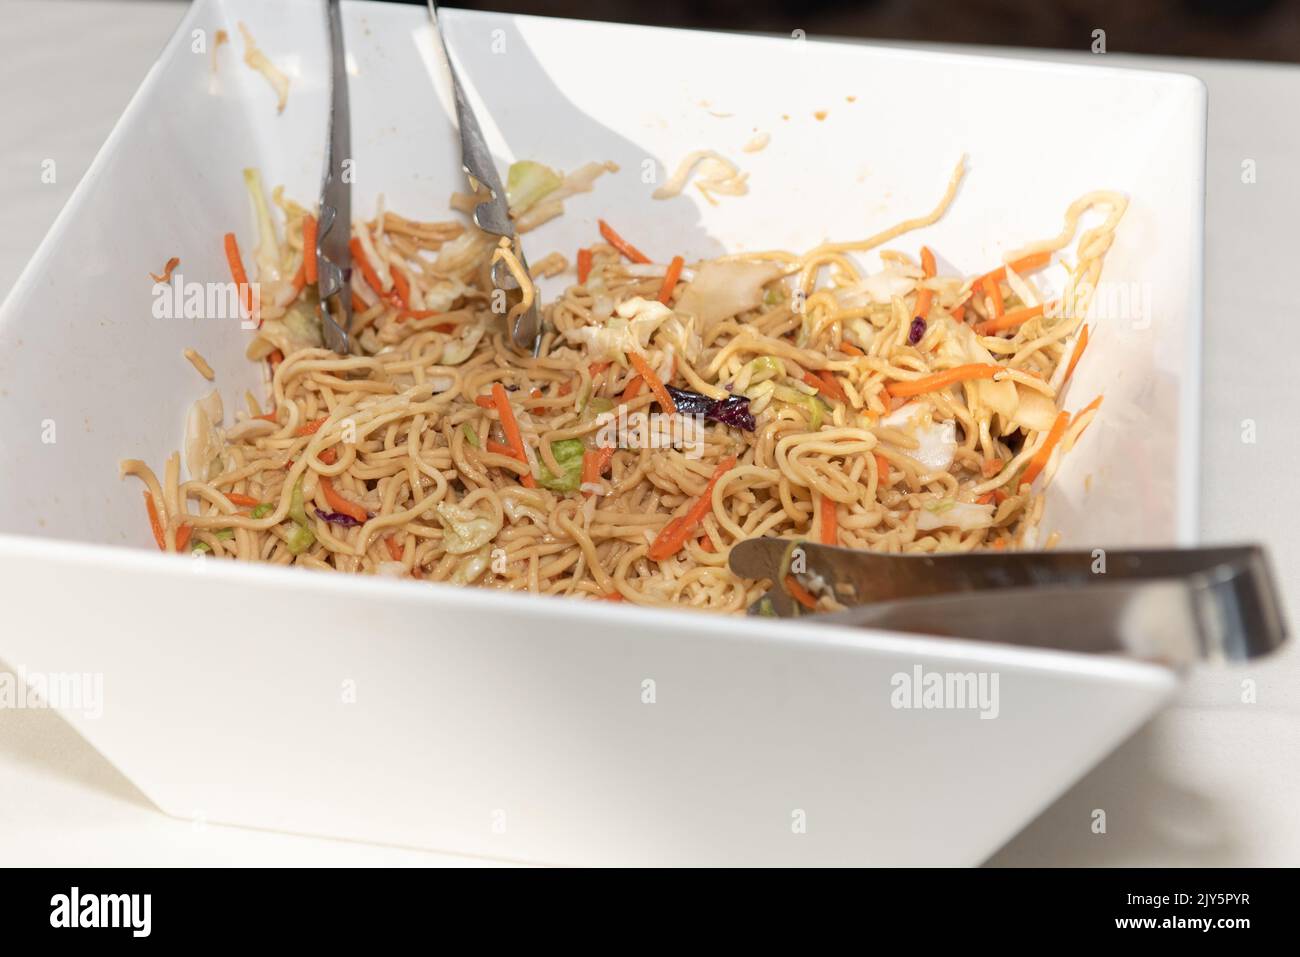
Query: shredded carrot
[[706, 544], [167, 270], [484, 402], [497, 448], [341, 504], [312, 427], [1009, 320], [1078, 351], [832, 386], [614, 596], [328, 456], [666, 402], [990, 467], [674, 535], [238, 275], [268, 417], [1039, 461], [1020, 266], [367, 271], [584, 265], [799, 593], [589, 467], [830, 526], [394, 548], [1090, 407], [984, 499], [309, 247], [958, 312], [594, 463], [596, 368], [238, 498], [825, 384], [882, 469], [401, 286], [941, 380], [275, 358], [849, 349], [994, 293], [924, 299], [511, 428], [621, 244], [633, 389], [670, 279], [358, 304], [671, 528], [1000, 496], [183, 533], [927, 262], [154, 522]]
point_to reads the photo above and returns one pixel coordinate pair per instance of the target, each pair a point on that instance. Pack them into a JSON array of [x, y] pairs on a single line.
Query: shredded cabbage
[[472, 568], [465, 530], [721, 290], [810, 403], [568, 455], [267, 252], [628, 331], [527, 182], [938, 440], [966, 516], [297, 508], [203, 441], [462, 347], [300, 539]]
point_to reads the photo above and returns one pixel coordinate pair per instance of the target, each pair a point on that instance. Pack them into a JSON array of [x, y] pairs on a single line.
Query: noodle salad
[[909, 409]]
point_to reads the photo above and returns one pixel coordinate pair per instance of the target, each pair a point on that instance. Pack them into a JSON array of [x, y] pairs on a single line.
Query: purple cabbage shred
[[337, 518]]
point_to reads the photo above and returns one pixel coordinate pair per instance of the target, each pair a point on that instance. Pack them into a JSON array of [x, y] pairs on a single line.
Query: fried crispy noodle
[[893, 409]]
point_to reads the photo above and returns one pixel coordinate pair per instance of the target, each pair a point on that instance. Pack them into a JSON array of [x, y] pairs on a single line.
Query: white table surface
[[1212, 781]]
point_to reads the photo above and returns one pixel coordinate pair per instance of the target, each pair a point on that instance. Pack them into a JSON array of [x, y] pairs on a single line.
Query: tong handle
[[1172, 605]]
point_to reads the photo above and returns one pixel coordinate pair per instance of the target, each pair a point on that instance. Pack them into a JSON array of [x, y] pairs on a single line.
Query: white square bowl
[[513, 726]]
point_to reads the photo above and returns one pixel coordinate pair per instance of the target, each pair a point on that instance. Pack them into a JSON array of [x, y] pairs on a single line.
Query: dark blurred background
[[1226, 29]]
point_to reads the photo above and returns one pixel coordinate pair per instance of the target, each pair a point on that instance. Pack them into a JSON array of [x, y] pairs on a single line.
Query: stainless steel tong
[[493, 214], [1170, 605], [333, 257]]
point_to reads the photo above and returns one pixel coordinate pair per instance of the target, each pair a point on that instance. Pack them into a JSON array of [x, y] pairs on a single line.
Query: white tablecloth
[[1212, 781]]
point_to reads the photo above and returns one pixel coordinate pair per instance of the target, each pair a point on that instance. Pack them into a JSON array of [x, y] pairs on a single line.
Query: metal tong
[[1175, 606], [333, 257], [493, 214]]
